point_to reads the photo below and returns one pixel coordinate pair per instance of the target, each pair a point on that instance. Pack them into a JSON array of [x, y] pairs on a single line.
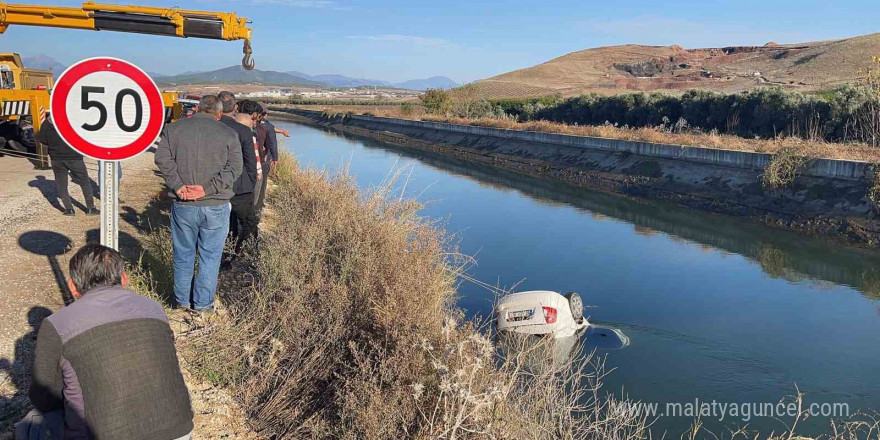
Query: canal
[[716, 309]]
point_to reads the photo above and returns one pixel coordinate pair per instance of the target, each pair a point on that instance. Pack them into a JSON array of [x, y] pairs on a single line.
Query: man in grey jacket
[[200, 159], [105, 367]]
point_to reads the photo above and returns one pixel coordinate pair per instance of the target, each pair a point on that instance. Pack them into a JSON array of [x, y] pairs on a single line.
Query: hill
[[341, 80], [615, 69], [44, 62], [237, 75], [436, 82]]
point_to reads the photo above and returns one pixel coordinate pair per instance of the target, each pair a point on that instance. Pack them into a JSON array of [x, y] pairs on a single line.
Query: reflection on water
[[780, 253], [713, 307]]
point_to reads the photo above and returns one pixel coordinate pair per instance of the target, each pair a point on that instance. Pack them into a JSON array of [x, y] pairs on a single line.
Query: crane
[[24, 93], [173, 22]]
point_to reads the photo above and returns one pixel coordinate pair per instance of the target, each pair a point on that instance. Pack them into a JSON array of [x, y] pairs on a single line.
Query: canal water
[[716, 309]]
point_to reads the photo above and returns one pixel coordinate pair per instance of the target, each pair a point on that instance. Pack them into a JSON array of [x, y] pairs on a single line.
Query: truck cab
[[15, 76], [7, 80]]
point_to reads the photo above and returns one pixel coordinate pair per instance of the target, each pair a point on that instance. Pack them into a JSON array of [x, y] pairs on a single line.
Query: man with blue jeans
[[200, 159]]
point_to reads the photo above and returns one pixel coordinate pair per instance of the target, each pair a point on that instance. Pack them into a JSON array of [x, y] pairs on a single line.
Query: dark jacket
[[271, 140], [262, 133], [58, 149], [108, 360], [248, 178], [200, 151]]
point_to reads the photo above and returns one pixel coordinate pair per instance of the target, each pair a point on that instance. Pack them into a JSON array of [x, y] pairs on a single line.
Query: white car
[[541, 312]]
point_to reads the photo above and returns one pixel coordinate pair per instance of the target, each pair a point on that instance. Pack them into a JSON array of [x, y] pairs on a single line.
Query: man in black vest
[[243, 222]]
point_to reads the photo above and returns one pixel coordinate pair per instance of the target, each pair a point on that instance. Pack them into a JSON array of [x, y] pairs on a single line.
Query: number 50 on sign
[[107, 109]]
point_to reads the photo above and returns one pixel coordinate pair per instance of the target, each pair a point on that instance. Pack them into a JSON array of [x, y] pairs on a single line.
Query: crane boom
[[138, 19]]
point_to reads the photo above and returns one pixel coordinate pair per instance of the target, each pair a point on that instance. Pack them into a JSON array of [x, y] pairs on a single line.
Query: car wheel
[[576, 304]]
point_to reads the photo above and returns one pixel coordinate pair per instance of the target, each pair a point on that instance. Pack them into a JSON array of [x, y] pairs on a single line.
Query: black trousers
[[264, 182], [77, 170], [243, 219]]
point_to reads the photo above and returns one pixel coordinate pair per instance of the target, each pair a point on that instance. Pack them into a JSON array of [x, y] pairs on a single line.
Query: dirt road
[[36, 244]]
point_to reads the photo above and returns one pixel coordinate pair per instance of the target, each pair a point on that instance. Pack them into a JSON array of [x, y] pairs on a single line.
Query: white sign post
[[110, 110], [109, 183]]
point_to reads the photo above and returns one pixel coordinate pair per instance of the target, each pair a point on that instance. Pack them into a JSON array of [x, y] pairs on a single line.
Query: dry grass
[[345, 327], [349, 330], [812, 149]]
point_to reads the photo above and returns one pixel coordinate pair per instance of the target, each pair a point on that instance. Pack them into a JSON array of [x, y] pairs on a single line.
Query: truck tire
[[576, 304]]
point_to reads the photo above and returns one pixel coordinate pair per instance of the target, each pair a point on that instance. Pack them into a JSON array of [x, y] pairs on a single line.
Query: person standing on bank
[[66, 161], [243, 219], [200, 159], [105, 366], [253, 110], [270, 157]]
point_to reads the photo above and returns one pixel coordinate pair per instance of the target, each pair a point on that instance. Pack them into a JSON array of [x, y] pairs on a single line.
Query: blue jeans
[[202, 228]]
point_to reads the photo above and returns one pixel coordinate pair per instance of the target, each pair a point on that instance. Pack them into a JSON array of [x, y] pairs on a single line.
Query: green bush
[[763, 113], [407, 108], [784, 168], [436, 101]]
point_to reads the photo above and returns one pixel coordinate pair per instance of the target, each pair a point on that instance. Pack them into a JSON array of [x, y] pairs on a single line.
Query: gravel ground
[[36, 244]]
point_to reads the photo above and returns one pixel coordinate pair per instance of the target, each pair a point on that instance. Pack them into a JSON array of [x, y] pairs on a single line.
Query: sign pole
[[109, 182]]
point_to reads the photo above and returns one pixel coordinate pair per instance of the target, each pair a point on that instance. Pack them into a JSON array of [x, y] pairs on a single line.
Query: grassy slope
[[808, 66]]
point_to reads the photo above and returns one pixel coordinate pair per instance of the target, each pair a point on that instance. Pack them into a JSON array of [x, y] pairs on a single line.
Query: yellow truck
[[24, 92], [24, 98]]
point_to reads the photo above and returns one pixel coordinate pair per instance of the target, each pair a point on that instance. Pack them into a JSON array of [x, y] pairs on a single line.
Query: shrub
[[852, 112], [785, 166], [436, 101], [874, 187], [407, 108]]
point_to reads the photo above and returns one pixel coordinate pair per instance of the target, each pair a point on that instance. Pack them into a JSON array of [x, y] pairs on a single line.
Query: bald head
[[245, 119]]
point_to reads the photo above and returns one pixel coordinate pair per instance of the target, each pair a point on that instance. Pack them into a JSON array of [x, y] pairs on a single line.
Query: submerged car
[[541, 312]]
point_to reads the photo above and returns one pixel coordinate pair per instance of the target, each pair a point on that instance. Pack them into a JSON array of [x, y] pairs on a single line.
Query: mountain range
[[237, 75], [434, 82], [819, 65]]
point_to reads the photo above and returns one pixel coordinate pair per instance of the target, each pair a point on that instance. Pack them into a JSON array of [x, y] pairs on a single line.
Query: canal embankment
[[827, 198]]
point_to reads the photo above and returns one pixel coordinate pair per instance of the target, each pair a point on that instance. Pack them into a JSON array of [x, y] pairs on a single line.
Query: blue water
[[715, 308]]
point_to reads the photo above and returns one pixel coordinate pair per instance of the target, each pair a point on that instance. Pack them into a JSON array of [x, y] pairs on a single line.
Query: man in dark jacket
[[243, 222], [270, 156], [66, 161], [254, 110], [105, 367], [200, 159]]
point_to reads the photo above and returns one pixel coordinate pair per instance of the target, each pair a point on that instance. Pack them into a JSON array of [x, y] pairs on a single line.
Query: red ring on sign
[[62, 123]]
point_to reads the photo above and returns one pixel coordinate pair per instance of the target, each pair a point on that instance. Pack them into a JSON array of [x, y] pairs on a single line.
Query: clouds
[[404, 39]]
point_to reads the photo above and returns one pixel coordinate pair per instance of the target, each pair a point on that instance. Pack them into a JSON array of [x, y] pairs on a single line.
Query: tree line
[[848, 113]]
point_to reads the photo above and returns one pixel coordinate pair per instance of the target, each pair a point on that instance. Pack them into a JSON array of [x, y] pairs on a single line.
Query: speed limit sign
[[107, 109], [110, 110]]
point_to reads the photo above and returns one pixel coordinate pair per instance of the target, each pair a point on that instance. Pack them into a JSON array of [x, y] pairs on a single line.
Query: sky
[[397, 40]]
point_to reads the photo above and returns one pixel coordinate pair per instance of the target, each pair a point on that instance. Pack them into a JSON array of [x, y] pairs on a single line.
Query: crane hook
[[247, 63]]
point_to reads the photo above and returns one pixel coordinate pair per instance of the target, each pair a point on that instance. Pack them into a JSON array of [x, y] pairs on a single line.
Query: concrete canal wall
[[829, 198], [838, 169]]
